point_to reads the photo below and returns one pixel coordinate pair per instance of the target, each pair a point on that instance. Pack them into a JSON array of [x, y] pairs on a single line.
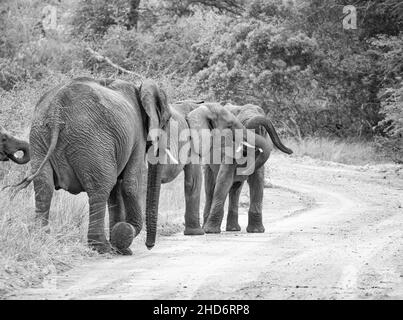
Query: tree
[[133, 15]]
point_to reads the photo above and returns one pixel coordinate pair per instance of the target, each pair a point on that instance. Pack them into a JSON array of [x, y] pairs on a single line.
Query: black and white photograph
[[201, 155]]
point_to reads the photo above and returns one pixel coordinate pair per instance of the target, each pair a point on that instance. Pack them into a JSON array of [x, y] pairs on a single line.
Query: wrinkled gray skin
[[221, 179], [192, 172], [197, 116], [185, 115], [90, 136], [10, 145]]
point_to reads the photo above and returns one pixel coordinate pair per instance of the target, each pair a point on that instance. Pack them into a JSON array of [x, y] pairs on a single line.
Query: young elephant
[[222, 179], [90, 136], [10, 145]]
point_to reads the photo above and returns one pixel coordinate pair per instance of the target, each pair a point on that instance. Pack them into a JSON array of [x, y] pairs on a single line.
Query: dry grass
[[347, 152], [28, 254]]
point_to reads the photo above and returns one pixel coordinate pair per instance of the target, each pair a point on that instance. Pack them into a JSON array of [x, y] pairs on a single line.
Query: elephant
[[222, 179], [91, 136], [188, 115], [10, 145], [192, 172]]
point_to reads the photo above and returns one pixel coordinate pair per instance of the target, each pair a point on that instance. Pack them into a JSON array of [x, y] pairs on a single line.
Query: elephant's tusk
[[171, 156], [247, 145]]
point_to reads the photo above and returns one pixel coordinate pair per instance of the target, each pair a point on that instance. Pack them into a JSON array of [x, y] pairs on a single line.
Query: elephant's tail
[[258, 121], [54, 136]]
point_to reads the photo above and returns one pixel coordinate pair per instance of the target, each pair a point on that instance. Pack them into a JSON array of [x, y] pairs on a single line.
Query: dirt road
[[332, 232]]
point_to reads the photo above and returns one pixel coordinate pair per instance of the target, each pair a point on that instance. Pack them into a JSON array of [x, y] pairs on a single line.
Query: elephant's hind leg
[[96, 227], [98, 188], [116, 206], [232, 217], [44, 187], [256, 187], [193, 178]]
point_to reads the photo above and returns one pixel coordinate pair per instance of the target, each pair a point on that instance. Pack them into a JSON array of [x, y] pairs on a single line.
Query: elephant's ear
[[155, 104], [200, 123]]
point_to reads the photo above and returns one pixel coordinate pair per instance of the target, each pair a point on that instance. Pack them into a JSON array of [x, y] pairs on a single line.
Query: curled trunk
[[258, 121], [153, 195], [19, 145], [261, 144]]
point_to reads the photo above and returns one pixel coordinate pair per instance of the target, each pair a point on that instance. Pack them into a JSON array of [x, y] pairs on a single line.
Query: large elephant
[[222, 179], [10, 145], [91, 136]]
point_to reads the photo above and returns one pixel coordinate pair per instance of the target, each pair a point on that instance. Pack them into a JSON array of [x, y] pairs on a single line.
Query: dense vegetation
[[294, 58]]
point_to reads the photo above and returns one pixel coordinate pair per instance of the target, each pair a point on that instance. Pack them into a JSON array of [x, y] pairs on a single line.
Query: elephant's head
[[10, 145], [214, 116], [157, 114]]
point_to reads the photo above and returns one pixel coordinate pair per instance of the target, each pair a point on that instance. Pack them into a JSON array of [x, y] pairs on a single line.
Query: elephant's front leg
[[232, 218], [193, 178], [209, 184], [223, 184], [123, 233], [256, 187]]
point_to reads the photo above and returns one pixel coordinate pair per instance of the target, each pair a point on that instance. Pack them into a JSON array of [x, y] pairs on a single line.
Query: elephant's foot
[[122, 236], [210, 228], [123, 252], [233, 226], [255, 228], [99, 246], [193, 231]]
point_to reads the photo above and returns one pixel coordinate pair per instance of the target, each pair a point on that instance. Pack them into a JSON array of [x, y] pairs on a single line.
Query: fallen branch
[[101, 58]]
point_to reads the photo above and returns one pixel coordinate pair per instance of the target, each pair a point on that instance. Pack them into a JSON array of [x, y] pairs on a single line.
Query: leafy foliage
[[293, 58]]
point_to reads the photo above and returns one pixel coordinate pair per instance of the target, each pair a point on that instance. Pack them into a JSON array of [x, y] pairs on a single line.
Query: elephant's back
[[94, 122], [90, 108], [181, 109]]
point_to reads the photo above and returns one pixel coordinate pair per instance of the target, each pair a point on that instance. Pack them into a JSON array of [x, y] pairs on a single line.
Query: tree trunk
[[133, 16]]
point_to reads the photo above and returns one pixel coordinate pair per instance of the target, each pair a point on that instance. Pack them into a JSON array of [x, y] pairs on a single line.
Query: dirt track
[[332, 232]]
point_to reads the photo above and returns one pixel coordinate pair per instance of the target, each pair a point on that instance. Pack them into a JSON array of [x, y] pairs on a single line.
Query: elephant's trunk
[[258, 142], [258, 121], [264, 148], [153, 195], [19, 145]]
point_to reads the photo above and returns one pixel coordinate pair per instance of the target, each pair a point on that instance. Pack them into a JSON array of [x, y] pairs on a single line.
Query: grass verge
[[342, 151]]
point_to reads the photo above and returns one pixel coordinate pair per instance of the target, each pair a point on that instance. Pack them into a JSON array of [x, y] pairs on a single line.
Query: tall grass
[[28, 253], [343, 151]]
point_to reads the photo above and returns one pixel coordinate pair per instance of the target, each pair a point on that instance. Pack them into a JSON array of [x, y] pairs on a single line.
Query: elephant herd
[[95, 136]]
